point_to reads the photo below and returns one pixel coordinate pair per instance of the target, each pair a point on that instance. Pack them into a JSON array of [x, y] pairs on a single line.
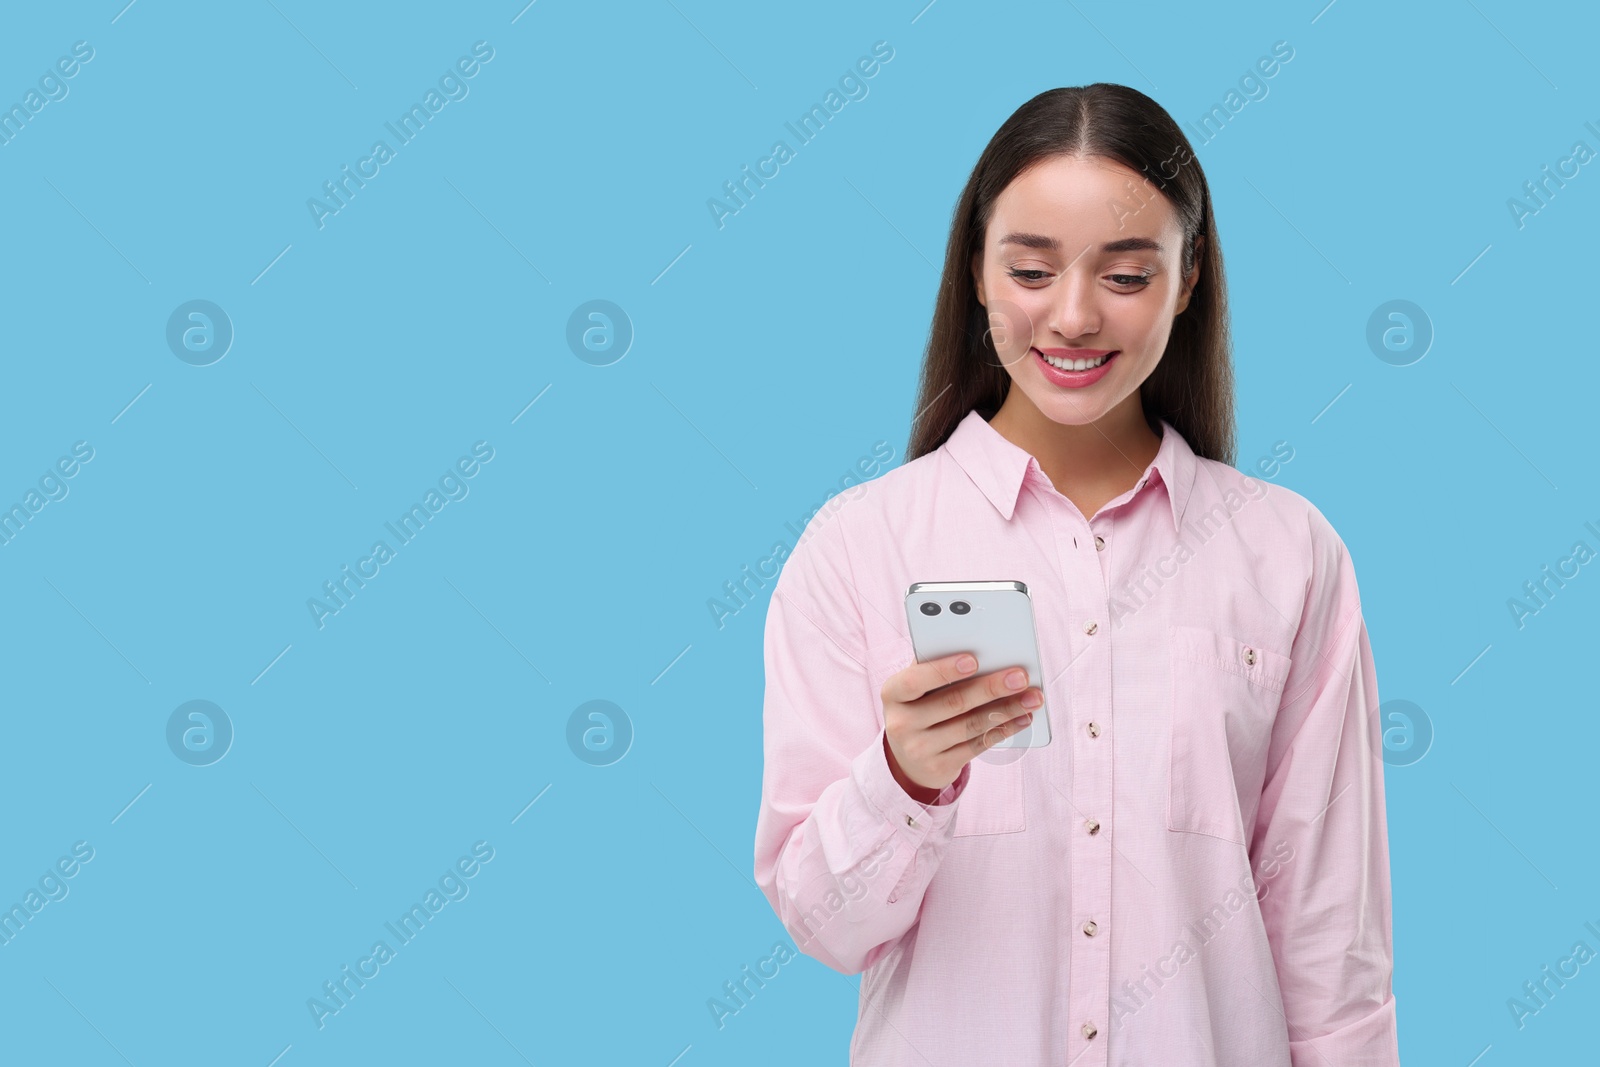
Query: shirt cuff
[[871, 773], [1371, 1041]]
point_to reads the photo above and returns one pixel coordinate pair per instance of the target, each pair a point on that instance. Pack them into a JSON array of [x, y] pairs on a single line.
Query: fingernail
[[966, 664], [1016, 680], [1032, 699], [1025, 719]]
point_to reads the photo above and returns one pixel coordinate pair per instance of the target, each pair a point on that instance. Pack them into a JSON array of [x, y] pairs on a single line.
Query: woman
[[1194, 872]]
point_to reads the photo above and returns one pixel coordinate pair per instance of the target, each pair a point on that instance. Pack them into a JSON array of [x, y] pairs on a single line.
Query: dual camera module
[[957, 607]]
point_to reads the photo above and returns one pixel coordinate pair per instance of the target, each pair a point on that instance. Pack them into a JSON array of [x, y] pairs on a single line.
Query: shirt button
[[1250, 656], [1090, 627], [1099, 543], [910, 821], [1092, 825], [1094, 729], [1089, 1030], [1090, 927]]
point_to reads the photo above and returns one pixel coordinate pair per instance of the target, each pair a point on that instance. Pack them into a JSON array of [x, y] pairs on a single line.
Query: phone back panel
[[998, 629]]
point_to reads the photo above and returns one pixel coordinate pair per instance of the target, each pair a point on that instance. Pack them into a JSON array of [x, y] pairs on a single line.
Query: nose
[[1075, 313]]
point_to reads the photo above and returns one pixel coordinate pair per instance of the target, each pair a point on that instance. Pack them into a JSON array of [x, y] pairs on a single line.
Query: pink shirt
[[1194, 873]]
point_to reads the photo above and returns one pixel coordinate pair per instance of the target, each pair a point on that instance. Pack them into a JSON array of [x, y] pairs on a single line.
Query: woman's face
[[1081, 258]]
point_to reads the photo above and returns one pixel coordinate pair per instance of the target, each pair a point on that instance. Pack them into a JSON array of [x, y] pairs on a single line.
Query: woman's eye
[[1137, 281]]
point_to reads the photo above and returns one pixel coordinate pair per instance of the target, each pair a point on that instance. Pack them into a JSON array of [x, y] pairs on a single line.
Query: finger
[[957, 700], [919, 679], [997, 733], [1000, 712], [967, 732]]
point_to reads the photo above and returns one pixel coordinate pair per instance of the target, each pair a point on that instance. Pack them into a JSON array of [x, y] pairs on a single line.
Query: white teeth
[[1075, 364]]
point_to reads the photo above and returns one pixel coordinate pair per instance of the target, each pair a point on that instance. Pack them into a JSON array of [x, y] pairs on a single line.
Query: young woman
[[1194, 872]]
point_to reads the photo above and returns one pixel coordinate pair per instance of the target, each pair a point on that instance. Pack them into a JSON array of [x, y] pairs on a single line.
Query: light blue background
[[769, 356]]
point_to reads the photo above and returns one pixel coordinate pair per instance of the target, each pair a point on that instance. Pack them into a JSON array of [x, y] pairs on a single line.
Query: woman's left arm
[[1327, 906]]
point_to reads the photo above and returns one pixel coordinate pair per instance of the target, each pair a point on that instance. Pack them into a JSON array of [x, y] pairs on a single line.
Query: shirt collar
[[998, 467]]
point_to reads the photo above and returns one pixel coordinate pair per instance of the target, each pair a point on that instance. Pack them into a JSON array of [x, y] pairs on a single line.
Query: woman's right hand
[[937, 716]]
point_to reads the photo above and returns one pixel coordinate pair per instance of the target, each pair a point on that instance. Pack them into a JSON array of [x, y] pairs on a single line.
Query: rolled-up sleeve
[[1327, 911], [843, 854]]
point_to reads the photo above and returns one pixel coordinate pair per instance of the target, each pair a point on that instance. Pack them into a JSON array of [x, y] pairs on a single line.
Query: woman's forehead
[[1064, 203]]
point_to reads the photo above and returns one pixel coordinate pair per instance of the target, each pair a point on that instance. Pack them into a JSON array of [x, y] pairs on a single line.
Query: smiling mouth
[[1064, 363]]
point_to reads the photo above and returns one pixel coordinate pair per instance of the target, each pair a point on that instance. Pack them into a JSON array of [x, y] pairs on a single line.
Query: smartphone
[[993, 621]]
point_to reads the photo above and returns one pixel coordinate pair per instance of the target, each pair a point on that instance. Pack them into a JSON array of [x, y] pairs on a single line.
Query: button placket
[[1090, 962], [1087, 964]]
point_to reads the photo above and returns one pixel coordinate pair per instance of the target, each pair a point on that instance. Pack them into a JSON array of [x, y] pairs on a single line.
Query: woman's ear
[[1194, 276], [977, 276]]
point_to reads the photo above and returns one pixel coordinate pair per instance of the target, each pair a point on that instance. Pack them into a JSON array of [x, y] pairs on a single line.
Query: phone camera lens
[[930, 608], [960, 607]]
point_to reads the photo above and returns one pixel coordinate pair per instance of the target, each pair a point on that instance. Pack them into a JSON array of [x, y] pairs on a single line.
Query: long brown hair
[[1192, 386]]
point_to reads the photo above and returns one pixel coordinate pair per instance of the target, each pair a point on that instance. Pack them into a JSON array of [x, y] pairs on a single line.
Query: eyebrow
[[1050, 244]]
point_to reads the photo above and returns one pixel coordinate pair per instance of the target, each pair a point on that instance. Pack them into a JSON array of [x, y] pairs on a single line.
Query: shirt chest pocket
[[992, 802], [1223, 700]]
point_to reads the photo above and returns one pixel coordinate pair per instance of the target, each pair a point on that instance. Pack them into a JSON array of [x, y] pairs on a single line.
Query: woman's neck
[[1089, 464]]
